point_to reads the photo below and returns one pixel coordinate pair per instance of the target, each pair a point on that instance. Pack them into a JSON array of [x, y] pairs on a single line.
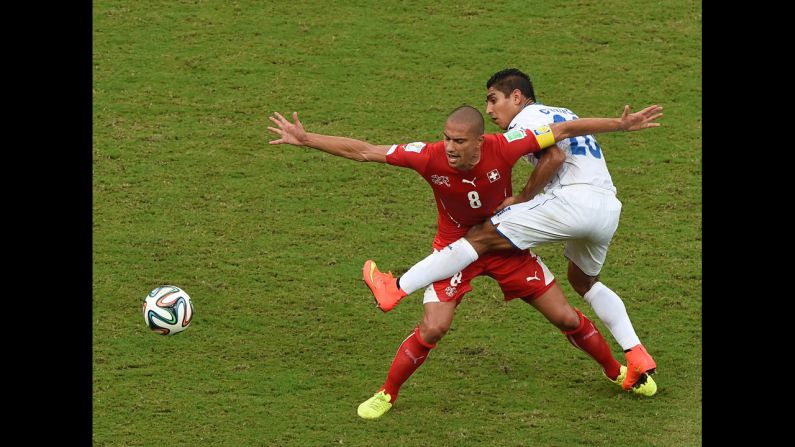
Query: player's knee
[[582, 283], [564, 318], [432, 331], [475, 235], [483, 238], [475, 230], [569, 320]]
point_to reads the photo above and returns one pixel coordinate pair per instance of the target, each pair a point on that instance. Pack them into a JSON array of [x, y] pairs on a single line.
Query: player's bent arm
[[350, 148], [628, 122], [552, 159]]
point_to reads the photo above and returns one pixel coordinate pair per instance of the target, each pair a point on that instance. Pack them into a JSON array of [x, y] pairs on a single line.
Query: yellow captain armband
[[544, 136]]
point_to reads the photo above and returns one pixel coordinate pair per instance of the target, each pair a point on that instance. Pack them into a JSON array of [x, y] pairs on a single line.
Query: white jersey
[[585, 162]]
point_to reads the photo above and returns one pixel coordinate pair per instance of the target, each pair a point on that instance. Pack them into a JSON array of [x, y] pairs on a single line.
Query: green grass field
[[269, 240]]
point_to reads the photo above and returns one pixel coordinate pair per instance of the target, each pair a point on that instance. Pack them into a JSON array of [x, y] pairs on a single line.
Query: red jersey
[[466, 198]]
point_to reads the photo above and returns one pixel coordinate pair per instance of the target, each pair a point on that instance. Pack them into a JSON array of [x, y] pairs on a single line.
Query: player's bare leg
[[582, 334], [485, 237], [444, 263], [410, 356], [611, 311], [436, 320], [579, 330]]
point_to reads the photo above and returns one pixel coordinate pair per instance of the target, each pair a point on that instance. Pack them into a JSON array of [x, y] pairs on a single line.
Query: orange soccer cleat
[[639, 362], [383, 286]]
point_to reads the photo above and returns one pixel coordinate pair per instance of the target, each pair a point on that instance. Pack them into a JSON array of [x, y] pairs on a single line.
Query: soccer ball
[[168, 310]]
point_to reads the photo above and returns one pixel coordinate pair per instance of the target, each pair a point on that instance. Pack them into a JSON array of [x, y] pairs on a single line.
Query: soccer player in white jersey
[[578, 206]]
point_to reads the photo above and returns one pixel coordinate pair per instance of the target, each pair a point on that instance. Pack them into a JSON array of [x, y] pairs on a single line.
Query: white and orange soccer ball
[[168, 310]]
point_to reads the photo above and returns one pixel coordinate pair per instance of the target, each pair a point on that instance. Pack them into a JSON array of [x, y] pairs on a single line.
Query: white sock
[[438, 266], [610, 309]]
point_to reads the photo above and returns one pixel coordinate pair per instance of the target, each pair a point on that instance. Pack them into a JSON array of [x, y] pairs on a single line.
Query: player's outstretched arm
[[294, 133], [628, 122]]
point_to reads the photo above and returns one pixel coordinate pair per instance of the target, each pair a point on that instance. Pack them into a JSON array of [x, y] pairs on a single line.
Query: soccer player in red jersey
[[470, 174]]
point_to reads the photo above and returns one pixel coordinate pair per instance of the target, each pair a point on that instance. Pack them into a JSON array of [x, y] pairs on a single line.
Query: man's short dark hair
[[469, 115], [511, 79]]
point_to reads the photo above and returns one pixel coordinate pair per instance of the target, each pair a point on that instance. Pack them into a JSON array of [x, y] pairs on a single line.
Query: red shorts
[[520, 274]]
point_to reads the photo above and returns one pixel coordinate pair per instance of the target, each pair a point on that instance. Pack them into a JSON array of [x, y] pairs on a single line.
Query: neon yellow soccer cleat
[[376, 406], [645, 386]]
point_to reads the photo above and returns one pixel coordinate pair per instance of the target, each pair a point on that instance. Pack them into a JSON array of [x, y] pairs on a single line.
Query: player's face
[[502, 109], [462, 146]]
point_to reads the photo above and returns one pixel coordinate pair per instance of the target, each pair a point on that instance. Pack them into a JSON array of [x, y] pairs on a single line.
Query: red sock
[[587, 338], [410, 355]]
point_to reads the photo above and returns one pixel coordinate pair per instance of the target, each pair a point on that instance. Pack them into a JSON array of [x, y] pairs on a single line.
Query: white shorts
[[585, 217]]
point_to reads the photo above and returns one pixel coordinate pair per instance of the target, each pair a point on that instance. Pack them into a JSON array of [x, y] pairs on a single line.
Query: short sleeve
[[518, 142], [410, 155]]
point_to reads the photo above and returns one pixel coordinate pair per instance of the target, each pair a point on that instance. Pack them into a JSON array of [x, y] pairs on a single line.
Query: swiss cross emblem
[[493, 176]]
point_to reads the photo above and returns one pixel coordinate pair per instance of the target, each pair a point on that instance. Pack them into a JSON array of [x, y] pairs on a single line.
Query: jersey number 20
[[579, 149]]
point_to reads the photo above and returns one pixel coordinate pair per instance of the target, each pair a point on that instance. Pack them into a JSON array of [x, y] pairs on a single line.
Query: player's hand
[[507, 202], [640, 120], [290, 133]]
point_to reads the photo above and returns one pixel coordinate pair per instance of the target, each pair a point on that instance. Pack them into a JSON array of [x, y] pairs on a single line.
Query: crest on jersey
[[513, 135], [493, 176], [440, 180], [414, 147]]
